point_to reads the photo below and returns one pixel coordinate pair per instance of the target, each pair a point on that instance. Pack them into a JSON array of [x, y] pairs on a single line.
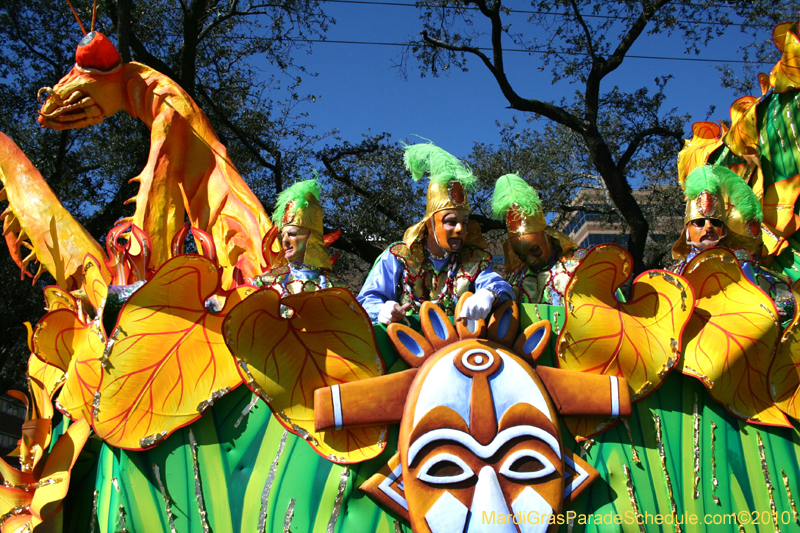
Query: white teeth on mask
[[448, 515], [533, 511], [487, 502]]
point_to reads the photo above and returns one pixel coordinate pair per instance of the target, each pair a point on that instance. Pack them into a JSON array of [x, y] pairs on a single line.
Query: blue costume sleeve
[[489, 279], [381, 284]]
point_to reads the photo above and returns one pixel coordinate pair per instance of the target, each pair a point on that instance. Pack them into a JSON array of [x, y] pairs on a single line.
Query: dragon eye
[[445, 468], [526, 464]]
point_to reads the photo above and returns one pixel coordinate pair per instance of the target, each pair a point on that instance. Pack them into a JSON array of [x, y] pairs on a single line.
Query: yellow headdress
[[299, 206], [518, 204], [450, 180], [717, 192]]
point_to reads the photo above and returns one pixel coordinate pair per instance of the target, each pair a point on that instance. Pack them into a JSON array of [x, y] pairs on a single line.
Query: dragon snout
[[74, 111], [45, 93]]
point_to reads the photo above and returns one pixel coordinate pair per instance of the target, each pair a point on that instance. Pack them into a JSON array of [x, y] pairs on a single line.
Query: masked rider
[[539, 259], [305, 265], [442, 256], [722, 210]]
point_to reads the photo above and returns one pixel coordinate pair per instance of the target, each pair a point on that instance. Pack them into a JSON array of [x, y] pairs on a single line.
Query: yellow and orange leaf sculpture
[[166, 359], [784, 374], [328, 340], [785, 74], [66, 339], [638, 340], [30, 500], [731, 339]]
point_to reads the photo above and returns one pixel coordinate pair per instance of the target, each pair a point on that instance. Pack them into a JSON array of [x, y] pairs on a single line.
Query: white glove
[[385, 314], [478, 305]]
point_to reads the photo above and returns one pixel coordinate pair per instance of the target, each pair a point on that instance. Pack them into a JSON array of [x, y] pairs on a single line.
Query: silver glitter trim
[[167, 507], [152, 440], [632, 496], [246, 410], [770, 488], [789, 494], [287, 519], [297, 430], [663, 456], [198, 489], [262, 516], [115, 482], [696, 447], [634, 454], [397, 528], [96, 405], [216, 395], [94, 509], [122, 519], [337, 504], [714, 480], [251, 381]]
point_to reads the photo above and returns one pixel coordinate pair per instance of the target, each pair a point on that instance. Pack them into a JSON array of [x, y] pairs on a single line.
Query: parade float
[[167, 392]]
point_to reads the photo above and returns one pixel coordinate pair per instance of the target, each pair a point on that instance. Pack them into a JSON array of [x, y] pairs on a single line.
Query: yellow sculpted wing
[[167, 361], [328, 340], [59, 241], [730, 340]]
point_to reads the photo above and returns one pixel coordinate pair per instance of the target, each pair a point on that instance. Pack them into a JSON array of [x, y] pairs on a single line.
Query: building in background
[[588, 228]]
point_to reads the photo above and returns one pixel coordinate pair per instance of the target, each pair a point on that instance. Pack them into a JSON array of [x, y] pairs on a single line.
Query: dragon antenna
[[77, 17], [94, 14]]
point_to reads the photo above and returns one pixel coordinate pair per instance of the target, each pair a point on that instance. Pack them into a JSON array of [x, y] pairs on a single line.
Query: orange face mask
[[534, 249], [448, 230]]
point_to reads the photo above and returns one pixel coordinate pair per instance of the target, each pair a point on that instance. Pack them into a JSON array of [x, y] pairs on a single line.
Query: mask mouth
[[455, 243]]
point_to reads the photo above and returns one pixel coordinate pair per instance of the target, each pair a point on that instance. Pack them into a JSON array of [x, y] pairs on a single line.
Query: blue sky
[[360, 90]]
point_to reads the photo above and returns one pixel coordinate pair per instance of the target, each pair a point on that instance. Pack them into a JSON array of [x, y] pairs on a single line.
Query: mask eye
[[527, 464], [445, 468]]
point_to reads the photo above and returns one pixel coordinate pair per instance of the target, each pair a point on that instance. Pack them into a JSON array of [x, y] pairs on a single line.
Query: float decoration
[[171, 185], [639, 340], [166, 362], [784, 373], [35, 219], [478, 422], [327, 340], [732, 336]]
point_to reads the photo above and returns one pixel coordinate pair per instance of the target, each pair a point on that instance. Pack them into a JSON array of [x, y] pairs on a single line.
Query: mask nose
[[489, 499]]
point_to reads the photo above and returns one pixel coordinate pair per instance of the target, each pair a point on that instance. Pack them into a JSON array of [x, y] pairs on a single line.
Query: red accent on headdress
[[456, 192], [514, 218], [754, 228], [706, 202], [288, 213], [96, 52]]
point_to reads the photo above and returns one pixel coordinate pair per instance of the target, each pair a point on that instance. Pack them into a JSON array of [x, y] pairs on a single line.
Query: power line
[[538, 51], [546, 13]]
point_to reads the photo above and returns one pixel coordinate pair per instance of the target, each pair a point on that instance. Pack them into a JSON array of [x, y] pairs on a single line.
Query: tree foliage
[[583, 42]]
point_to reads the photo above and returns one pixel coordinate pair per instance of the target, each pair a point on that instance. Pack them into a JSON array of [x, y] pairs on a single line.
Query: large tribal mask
[[479, 423]]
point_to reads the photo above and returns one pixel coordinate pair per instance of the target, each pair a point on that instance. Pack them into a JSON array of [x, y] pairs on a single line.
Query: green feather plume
[[716, 178], [699, 180], [440, 165], [297, 193], [511, 189], [739, 193]]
